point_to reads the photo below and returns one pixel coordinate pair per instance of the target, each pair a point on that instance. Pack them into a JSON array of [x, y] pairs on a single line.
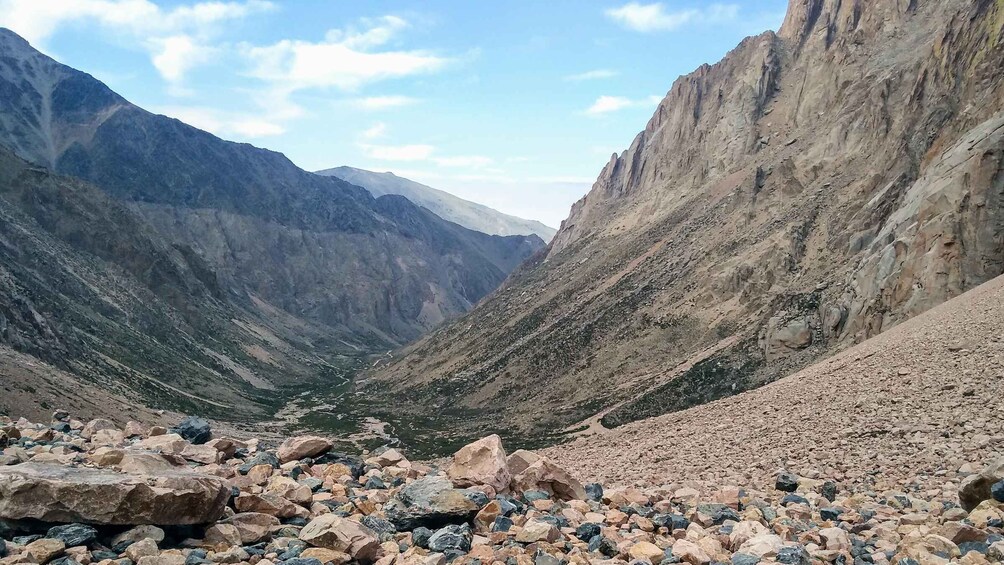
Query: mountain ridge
[[469, 214], [273, 277]]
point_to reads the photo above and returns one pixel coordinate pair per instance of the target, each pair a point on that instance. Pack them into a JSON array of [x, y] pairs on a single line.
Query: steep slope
[[917, 402], [814, 188], [316, 248], [87, 286], [445, 205]]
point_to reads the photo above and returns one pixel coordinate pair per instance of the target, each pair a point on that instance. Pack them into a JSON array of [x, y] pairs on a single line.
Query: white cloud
[[591, 75], [417, 152], [467, 161], [177, 39], [375, 131], [608, 104], [654, 17], [345, 59], [383, 102], [223, 123]]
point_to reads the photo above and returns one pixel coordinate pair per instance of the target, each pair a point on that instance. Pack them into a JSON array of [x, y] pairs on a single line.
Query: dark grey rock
[[997, 491], [793, 556], [587, 531], [671, 521], [431, 502], [502, 524], [374, 483], [384, 529], [744, 559], [832, 514], [793, 499], [786, 482], [453, 537], [73, 534], [718, 513], [194, 429], [532, 495], [420, 537], [829, 491], [603, 545], [977, 546], [594, 491], [303, 561]]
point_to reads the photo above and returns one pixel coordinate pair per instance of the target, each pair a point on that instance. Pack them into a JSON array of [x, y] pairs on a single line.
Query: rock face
[[482, 463], [812, 189], [443, 204], [192, 236], [54, 493]]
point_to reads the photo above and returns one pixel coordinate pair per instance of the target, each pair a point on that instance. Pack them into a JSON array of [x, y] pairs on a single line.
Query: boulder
[[95, 426], [977, 488], [194, 429], [482, 463], [53, 493], [333, 532], [534, 472], [296, 448], [44, 550], [253, 526], [430, 502], [73, 534]]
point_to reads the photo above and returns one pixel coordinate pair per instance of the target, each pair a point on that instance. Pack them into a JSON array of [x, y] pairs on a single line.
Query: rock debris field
[[889, 453]]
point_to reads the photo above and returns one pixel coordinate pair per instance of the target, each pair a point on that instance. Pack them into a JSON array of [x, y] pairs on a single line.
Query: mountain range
[[445, 205], [816, 187], [156, 258]]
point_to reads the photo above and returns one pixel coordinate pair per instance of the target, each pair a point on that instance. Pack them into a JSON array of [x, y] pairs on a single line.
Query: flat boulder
[[296, 448], [429, 502], [333, 532], [54, 493], [482, 463]]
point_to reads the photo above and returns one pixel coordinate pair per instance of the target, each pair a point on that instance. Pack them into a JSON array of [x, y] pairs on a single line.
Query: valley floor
[[901, 411]]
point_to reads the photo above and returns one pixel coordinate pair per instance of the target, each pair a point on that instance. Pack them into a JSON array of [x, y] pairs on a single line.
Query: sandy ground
[[904, 410]]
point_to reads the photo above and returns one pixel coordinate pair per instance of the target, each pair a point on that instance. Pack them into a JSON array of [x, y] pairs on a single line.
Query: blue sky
[[515, 104]]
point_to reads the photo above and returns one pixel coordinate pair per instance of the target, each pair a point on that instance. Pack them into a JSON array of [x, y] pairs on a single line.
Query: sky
[[517, 104]]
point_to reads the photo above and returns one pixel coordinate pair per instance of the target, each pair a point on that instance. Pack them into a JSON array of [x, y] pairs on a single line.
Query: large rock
[[482, 463], [330, 531], [534, 472], [296, 448], [195, 430], [977, 488], [430, 502], [54, 493]]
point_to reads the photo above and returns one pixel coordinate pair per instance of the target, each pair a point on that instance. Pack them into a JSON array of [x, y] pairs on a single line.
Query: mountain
[[445, 205], [158, 252], [816, 187]]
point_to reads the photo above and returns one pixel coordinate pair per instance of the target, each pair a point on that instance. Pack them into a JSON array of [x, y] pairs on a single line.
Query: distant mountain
[[445, 205], [216, 268]]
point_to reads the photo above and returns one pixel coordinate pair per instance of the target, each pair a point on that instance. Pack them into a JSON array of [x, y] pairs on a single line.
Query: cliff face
[[814, 188]]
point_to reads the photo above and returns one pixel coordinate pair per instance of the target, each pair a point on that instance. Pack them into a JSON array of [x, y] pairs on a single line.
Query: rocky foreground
[[83, 494]]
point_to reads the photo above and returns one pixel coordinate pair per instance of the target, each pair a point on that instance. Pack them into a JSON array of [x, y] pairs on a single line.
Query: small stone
[[140, 549], [538, 530], [587, 531], [646, 551], [73, 534], [325, 555], [594, 492], [690, 552], [786, 482], [997, 491], [453, 537], [44, 550]]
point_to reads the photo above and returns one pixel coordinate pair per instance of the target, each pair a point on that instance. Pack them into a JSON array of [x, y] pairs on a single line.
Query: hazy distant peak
[[445, 205]]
